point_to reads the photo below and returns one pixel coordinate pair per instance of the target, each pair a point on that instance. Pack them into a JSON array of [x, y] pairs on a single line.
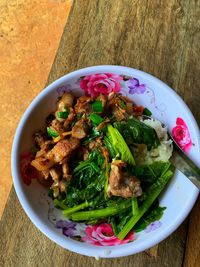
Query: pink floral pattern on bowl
[[95, 84], [181, 135], [101, 83], [105, 83], [102, 235]]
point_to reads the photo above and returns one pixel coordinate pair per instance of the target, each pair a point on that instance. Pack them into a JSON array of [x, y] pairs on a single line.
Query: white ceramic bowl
[[179, 197]]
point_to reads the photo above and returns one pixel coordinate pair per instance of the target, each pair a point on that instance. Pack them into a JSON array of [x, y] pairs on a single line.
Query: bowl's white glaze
[[179, 197]]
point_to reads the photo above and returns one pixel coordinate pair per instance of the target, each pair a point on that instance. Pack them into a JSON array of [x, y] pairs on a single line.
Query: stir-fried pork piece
[[65, 171], [85, 153], [97, 142], [45, 174], [55, 173], [58, 126], [83, 105], [123, 184], [45, 147], [69, 119], [80, 129], [102, 124], [115, 107], [63, 149], [66, 101], [42, 164], [119, 113]]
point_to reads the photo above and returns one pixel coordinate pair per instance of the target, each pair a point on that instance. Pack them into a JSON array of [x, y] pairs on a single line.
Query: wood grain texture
[[28, 49], [159, 37]]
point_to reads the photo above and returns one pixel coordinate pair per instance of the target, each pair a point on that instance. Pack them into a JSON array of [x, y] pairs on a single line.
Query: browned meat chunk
[[121, 183], [66, 101], [69, 119], [42, 164], [129, 108], [80, 129], [45, 147], [65, 172], [55, 173], [85, 153], [63, 149], [58, 126], [83, 105], [97, 142], [102, 124], [45, 174], [115, 107], [119, 113]]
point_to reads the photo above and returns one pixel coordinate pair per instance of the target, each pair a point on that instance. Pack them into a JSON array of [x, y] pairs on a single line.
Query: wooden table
[[159, 37]]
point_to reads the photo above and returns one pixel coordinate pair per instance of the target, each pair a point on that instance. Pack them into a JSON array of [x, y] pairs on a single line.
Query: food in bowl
[[99, 240], [104, 162]]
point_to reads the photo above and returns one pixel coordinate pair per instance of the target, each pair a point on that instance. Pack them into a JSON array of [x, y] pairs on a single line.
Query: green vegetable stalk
[[152, 195], [69, 211], [101, 213]]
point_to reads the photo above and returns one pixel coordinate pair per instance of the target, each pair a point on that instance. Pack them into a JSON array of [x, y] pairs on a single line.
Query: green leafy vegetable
[[88, 180], [147, 112], [135, 131], [110, 148], [93, 134], [152, 216], [51, 132], [152, 193], [119, 145]]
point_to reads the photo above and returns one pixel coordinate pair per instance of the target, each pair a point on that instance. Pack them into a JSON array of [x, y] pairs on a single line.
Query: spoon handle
[[184, 164]]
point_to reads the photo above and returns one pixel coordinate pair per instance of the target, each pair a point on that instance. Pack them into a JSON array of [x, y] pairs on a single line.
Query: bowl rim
[[76, 246]]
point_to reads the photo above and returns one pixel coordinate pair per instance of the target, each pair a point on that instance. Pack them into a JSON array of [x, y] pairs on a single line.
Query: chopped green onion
[[96, 119], [62, 114], [51, 132], [147, 112], [97, 106]]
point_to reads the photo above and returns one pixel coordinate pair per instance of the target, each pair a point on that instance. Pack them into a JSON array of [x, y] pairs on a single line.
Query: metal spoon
[[181, 161]]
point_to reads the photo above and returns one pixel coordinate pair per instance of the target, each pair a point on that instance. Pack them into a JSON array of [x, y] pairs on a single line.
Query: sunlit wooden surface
[[30, 32]]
